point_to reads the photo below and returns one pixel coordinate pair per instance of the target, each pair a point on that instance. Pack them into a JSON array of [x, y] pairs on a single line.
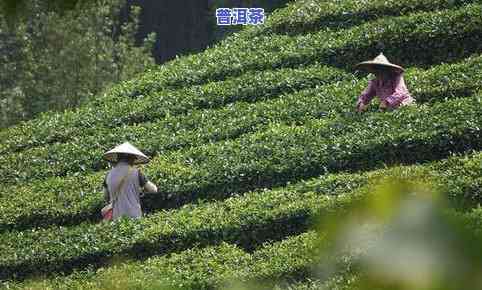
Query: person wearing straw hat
[[388, 85], [124, 183]]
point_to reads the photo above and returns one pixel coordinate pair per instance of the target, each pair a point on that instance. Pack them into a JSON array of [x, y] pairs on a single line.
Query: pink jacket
[[394, 92]]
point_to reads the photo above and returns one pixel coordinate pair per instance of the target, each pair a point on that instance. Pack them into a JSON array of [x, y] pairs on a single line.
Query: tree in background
[[56, 59], [10, 55]]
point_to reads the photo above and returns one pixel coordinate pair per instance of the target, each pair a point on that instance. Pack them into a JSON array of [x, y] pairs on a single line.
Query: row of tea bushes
[[312, 15], [83, 152], [280, 154], [201, 126], [57, 200], [446, 80], [286, 153], [98, 117], [206, 268], [248, 221]]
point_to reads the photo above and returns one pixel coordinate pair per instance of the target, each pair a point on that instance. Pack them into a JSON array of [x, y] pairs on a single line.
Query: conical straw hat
[[379, 61], [126, 148]]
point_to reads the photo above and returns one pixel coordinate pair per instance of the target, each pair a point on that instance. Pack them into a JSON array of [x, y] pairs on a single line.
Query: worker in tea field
[[124, 183], [388, 85]]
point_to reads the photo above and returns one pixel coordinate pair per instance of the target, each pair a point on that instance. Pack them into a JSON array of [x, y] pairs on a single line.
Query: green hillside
[[252, 142]]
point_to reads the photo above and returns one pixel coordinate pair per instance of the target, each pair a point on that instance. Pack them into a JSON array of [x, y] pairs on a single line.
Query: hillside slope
[[250, 140]]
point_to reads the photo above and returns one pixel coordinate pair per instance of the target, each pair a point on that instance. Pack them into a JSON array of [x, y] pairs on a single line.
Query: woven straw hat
[[126, 148], [379, 61]]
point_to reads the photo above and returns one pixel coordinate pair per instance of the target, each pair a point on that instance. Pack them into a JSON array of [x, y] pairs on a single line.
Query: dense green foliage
[[271, 157], [204, 268], [168, 104], [65, 58], [308, 16], [252, 141], [247, 221], [177, 131]]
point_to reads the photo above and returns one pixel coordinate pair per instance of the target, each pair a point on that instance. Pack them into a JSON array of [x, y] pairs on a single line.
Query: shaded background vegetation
[[62, 58]]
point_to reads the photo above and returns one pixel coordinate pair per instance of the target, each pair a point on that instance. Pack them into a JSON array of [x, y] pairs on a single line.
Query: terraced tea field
[[252, 142]]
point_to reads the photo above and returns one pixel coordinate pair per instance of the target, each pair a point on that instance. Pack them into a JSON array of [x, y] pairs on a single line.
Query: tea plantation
[[253, 141]]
